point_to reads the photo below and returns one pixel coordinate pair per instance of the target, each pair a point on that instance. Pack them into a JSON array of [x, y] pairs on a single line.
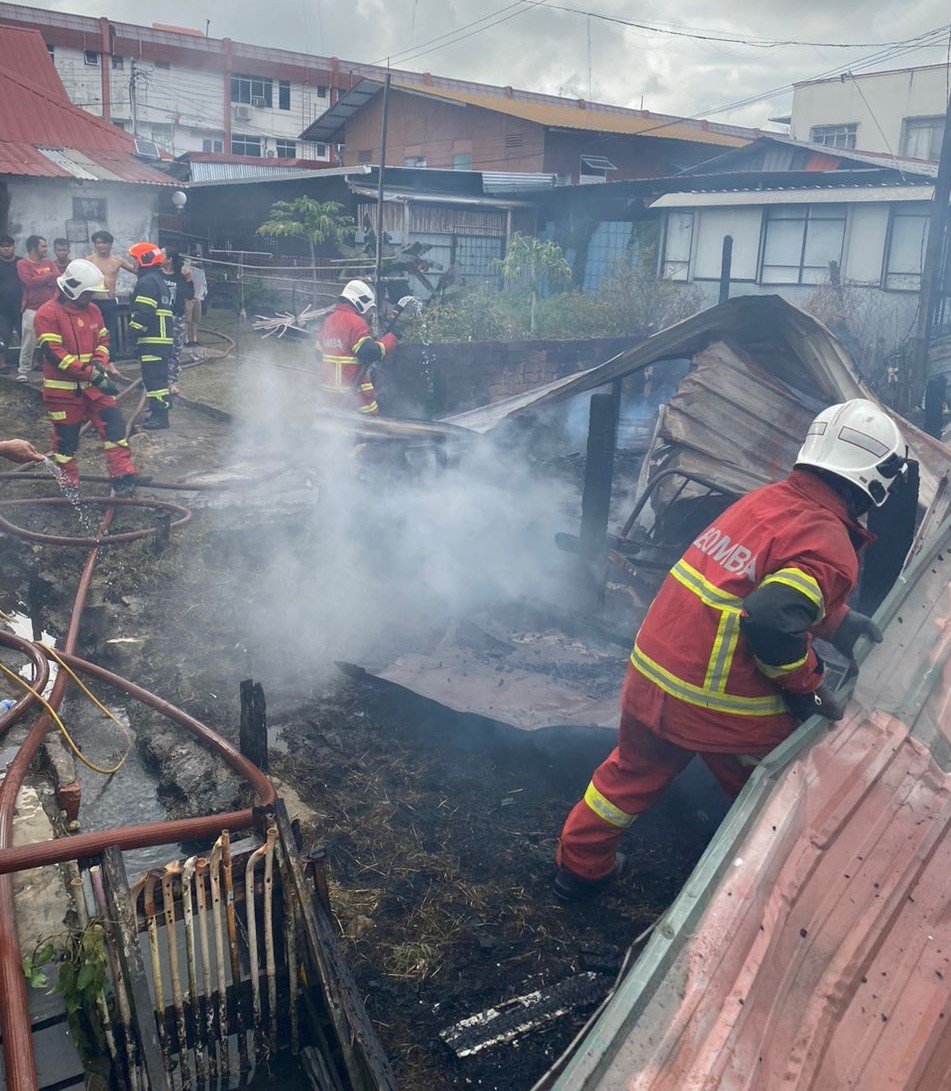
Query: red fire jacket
[[696, 680], [38, 280], [73, 339], [348, 349]]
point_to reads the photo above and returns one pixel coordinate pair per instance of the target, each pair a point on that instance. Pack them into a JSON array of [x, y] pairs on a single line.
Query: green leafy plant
[[33, 965], [82, 969], [315, 222], [528, 263]]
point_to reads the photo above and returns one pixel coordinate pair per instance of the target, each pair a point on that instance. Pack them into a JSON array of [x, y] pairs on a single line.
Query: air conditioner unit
[[260, 103], [242, 112]]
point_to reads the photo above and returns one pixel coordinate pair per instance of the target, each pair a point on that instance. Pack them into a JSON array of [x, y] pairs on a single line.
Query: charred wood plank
[[253, 735], [522, 1015], [122, 913]]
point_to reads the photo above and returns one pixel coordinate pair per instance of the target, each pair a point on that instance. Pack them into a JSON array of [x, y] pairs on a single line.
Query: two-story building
[[900, 112]]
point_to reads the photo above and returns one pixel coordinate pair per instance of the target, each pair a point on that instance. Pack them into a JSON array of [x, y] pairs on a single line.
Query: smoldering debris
[[522, 1015]]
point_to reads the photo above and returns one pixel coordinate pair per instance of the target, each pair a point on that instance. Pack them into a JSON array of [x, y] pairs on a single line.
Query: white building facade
[[899, 112]]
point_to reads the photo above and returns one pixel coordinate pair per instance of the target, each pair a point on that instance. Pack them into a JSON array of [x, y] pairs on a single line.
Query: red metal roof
[[43, 135], [25, 55]]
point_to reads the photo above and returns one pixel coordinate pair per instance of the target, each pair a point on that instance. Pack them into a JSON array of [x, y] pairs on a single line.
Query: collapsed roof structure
[[811, 946]]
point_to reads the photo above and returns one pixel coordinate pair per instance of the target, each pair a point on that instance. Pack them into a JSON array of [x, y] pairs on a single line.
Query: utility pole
[[930, 271], [377, 273], [133, 98]]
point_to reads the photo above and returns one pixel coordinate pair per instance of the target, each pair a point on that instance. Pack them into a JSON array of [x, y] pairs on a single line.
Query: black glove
[[852, 627], [397, 330], [100, 379], [821, 702]]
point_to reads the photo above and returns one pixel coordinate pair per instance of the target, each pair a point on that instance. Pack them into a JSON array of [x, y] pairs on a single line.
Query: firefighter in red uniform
[[723, 664], [77, 377], [349, 350]]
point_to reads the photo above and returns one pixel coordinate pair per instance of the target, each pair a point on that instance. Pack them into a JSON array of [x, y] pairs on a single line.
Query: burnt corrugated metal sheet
[[811, 949]]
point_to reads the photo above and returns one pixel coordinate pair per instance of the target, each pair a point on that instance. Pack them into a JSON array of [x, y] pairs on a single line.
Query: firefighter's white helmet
[[860, 443], [80, 276], [360, 295]]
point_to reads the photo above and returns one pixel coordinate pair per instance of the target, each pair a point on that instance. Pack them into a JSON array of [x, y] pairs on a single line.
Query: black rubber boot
[[569, 887], [157, 418], [124, 485]]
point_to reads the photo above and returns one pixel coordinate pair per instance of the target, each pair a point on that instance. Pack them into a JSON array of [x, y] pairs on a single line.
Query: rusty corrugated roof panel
[[811, 948], [24, 55], [588, 117]]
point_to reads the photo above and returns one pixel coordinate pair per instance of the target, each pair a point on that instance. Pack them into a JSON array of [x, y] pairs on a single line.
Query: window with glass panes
[[800, 242], [245, 145], [678, 237], [608, 245], [252, 90], [834, 136], [907, 236], [286, 149]]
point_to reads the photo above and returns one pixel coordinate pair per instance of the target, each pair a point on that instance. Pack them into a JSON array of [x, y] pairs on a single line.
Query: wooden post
[[163, 533], [937, 225], [596, 498], [726, 268], [122, 914], [378, 264], [253, 734]]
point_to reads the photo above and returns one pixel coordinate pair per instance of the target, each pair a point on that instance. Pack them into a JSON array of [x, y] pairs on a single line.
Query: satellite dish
[[146, 149]]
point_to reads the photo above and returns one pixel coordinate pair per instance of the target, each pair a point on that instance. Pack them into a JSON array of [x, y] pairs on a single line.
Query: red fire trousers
[[626, 783]]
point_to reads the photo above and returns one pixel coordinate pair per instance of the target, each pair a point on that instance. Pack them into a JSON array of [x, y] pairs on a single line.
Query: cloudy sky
[[672, 63]]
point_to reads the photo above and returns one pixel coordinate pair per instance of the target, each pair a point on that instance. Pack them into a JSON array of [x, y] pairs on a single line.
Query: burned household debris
[[442, 615]]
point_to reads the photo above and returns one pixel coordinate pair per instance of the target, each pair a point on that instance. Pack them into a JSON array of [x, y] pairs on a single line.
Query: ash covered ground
[[440, 829]]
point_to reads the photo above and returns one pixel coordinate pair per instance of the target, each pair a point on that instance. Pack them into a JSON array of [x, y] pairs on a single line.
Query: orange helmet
[[147, 253]]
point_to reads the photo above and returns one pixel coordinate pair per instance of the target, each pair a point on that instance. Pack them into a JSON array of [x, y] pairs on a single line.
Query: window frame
[[289, 149], [283, 94], [809, 215], [245, 89], [467, 156], [91, 58], [665, 262], [933, 121], [247, 139], [904, 210], [848, 128]]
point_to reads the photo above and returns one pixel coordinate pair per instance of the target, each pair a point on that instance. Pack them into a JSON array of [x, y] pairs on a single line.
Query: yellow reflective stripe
[[67, 362], [108, 444], [339, 359], [772, 670], [56, 414], [721, 658], [155, 340], [62, 384], [146, 299], [332, 388], [707, 592], [699, 695], [57, 457], [49, 339], [604, 808], [135, 325], [801, 582], [157, 393], [367, 388], [85, 357], [362, 341], [371, 408]]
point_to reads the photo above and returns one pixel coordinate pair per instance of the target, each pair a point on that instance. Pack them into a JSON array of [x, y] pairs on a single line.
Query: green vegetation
[[630, 301], [315, 222]]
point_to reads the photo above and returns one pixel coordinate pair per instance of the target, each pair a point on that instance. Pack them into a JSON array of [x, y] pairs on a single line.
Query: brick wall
[[438, 380]]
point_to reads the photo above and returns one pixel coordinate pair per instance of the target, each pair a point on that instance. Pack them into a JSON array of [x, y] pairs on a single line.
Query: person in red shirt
[[78, 378], [38, 275], [723, 665], [348, 350]]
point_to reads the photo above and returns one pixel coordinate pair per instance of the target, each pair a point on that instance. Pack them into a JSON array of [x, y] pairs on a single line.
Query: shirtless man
[[109, 265]]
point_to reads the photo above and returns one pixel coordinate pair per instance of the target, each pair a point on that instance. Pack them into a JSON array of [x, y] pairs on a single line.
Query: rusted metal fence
[[218, 962]]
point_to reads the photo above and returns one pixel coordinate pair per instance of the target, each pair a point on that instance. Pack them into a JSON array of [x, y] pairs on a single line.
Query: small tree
[[527, 262], [304, 218]]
